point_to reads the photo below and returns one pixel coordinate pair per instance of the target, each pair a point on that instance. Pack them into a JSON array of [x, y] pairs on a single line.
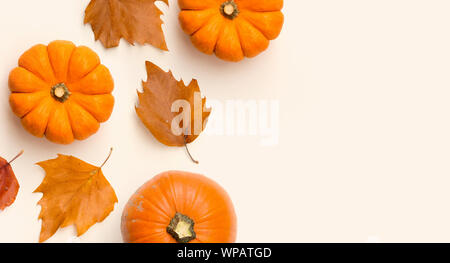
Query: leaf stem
[[107, 158], [17, 156], [187, 149]]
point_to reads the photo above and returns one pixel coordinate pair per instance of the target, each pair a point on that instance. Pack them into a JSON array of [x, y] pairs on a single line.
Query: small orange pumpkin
[[179, 207], [231, 29], [61, 91]]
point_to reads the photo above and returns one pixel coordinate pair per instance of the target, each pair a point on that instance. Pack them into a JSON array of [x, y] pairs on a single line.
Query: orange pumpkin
[[231, 29], [61, 91], [179, 207]]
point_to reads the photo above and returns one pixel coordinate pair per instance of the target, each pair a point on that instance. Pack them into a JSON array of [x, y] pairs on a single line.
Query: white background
[[364, 149]]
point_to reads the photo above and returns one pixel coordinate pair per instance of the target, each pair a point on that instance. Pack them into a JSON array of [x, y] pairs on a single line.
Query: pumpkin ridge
[[170, 201], [199, 189], [204, 24], [213, 13], [97, 82], [81, 78], [173, 192], [60, 139], [240, 39], [243, 23], [71, 119], [218, 35], [36, 75], [253, 25], [53, 67], [146, 221], [218, 32], [16, 85], [211, 215], [37, 103], [206, 6], [208, 228], [84, 108], [161, 211], [48, 120], [35, 106], [243, 15], [147, 236], [194, 199], [88, 72], [84, 94]]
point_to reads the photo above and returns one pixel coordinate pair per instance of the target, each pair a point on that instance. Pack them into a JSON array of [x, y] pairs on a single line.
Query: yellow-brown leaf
[[137, 21], [74, 192], [160, 92]]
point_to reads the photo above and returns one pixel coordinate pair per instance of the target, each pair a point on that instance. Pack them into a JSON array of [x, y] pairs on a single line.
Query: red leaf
[[9, 186]]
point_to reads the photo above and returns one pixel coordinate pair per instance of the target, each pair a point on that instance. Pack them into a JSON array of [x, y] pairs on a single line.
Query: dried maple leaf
[[9, 187], [166, 104], [74, 192], [134, 20]]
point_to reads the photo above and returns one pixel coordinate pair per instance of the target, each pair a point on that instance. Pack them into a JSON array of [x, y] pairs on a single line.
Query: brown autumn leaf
[[137, 21], [167, 104], [9, 186], [74, 192]]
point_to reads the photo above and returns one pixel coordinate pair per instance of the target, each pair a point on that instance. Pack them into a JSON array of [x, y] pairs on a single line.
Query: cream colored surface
[[364, 148]]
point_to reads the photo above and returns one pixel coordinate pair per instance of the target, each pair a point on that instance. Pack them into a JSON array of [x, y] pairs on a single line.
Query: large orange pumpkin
[[61, 91], [231, 29], [179, 207]]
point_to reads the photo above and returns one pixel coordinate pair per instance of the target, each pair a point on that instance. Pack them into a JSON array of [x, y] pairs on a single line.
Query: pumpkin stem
[[17, 156], [60, 92], [229, 9], [107, 158], [187, 150], [181, 228]]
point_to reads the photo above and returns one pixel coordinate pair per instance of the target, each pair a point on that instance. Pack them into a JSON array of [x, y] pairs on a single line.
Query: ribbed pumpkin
[[61, 91], [179, 207], [232, 29]]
